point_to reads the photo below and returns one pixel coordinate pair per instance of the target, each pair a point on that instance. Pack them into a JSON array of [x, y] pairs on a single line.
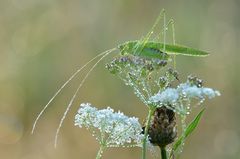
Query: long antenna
[[60, 89], [74, 95]]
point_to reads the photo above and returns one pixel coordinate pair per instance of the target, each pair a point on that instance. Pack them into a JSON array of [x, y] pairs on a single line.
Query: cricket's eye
[[121, 47]]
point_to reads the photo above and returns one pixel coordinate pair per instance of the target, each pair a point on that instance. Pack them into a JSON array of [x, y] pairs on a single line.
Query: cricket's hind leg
[[141, 44], [163, 32]]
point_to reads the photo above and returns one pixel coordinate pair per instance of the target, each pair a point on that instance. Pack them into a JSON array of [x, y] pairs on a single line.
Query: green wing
[[183, 50], [169, 49]]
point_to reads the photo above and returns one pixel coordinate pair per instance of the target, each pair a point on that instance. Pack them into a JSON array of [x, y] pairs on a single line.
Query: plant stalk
[[100, 151], [163, 153], [147, 125]]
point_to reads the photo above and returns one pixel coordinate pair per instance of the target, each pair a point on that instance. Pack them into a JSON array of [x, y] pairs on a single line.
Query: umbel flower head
[[179, 99], [114, 128]]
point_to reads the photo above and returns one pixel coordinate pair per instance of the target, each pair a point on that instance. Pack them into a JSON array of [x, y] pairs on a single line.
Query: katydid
[[144, 48]]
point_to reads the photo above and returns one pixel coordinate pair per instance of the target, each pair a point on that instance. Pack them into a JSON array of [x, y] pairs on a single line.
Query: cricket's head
[[127, 47]]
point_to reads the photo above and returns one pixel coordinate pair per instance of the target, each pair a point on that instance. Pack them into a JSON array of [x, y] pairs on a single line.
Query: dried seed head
[[149, 67], [126, 63], [195, 81], [112, 68], [163, 81], [162, 130], [172, 73]]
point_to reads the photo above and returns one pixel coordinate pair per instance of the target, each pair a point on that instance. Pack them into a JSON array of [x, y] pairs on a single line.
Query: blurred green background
[[43, 42]]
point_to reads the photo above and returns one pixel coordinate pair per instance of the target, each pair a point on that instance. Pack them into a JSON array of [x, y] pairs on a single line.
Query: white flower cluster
[[168, 96], [115, 128], [184, 92], [192, 91]]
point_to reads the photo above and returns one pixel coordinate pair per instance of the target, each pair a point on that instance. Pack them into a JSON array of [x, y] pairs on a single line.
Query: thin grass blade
[[190, 128]]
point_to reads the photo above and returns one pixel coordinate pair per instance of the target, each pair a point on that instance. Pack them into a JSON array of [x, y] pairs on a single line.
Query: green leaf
[[189, 130]]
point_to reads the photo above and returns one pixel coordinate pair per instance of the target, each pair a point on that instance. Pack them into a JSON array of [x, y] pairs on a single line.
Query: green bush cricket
[[145, 48]]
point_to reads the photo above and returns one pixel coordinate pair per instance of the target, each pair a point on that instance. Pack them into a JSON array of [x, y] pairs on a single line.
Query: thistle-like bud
[[162, 130]]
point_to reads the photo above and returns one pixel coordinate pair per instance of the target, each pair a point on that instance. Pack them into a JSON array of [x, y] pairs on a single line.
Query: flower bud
[[162, 130]]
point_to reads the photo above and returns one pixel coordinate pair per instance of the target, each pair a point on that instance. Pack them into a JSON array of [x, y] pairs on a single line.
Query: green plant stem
[[100, 151], [163, 153], [147, 125]]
